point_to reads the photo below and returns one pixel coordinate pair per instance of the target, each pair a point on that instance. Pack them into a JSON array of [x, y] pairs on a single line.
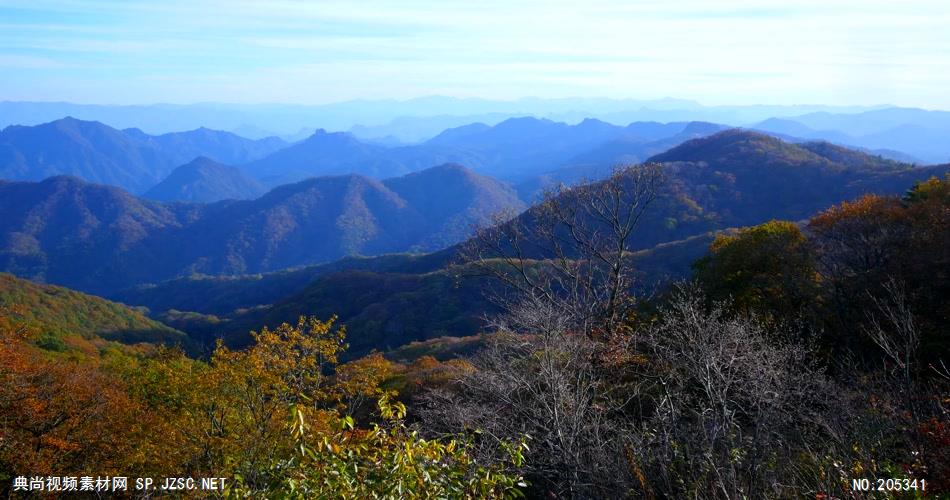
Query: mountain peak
[[703, 128], [449, 167], [73, 122], [64, 180], [850, 157], [202, 161], [593, 122], [740, 148], [205, 180], [523, 122], [737, 143], [453, 134]]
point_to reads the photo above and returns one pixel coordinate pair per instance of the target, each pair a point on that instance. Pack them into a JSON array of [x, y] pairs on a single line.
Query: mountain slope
[[88, 150], [324, 154], [205, 180], [221, 295], [326, 218], [385, 302], [519, 148], [129, 159], [64, 230], [102, 239], [738, 178], [916, 132], [451, 199], [850, 157], [640, 141], [744, 178], [381, 310], [59, 312], [218, 145], [316, 220]]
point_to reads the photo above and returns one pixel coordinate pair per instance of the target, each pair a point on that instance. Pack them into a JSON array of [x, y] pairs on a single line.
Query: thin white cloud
[[849, 51], [14, 61]]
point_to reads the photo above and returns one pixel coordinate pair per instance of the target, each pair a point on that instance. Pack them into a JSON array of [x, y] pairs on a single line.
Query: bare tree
[[893, 329], [573, 249], [719, 406], [731, 402], [543, 383]]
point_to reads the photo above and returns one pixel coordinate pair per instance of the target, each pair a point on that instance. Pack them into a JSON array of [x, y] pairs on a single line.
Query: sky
[[835, 52]]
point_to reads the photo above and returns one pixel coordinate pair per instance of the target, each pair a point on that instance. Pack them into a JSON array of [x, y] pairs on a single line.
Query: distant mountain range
[[224, 147], [516, 150], [900, 133], [529, 153], [129, 158], [335, 153], [414, 114], [98, 238], [643, 140]]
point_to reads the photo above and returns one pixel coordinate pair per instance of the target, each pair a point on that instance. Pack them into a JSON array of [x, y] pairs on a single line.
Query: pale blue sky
[[838, 52]]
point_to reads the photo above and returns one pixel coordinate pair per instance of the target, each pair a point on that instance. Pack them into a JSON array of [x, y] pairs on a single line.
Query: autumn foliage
[[277, 418]]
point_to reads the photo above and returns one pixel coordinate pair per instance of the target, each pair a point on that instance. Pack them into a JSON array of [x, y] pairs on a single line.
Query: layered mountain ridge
[[97, 238], [730, 179]]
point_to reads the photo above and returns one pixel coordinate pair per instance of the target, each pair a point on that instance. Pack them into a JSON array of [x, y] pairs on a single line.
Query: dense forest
[[798, 356]]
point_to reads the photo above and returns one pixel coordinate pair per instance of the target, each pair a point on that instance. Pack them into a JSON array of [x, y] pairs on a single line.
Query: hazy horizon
[[673, 100], [775, 53]]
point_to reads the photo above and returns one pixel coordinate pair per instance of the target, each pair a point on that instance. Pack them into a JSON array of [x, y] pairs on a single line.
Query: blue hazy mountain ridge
[[916, 133], [130, 158], [424, 116], [89, 150], [284, 119], [520, 148], [224, 147], [328, 153], [98, 238], [205, 180], [506, 150], [450, 198], [515, 150], [792, 131], [416, 129], [643, 140]]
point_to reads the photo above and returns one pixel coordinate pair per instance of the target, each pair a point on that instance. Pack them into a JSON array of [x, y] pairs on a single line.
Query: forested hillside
[[93, 238], [57, 314]]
